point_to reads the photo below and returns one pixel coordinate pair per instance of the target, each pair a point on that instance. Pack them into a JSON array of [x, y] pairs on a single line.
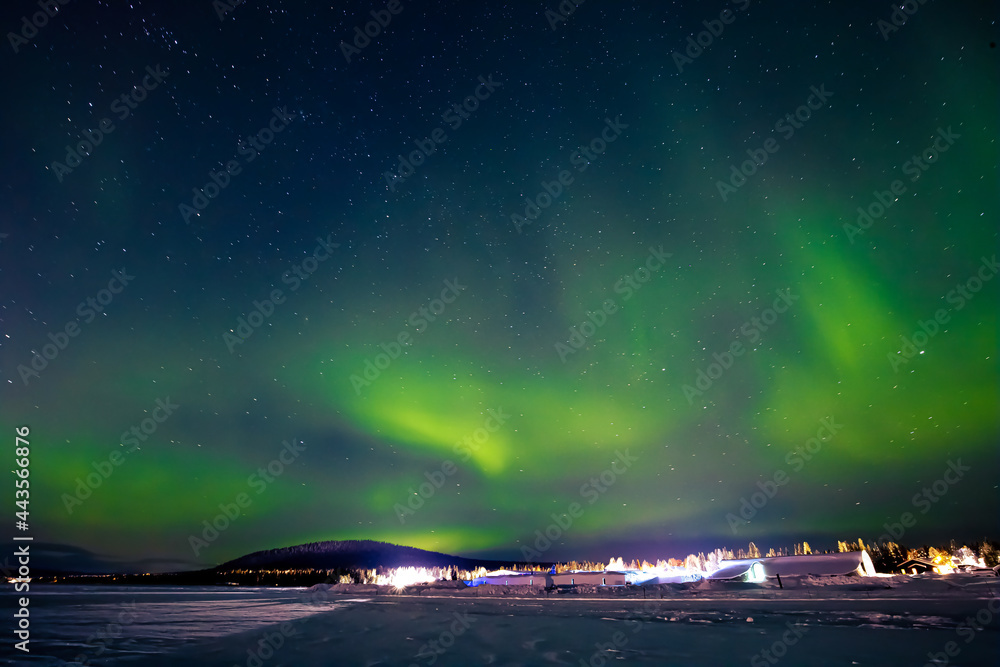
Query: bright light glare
[[401, 577]]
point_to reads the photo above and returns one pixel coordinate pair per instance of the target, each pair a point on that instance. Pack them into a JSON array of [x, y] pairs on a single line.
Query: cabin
[[654, 578], [547, 580], [916, 566], [588, 579], [512, 579]]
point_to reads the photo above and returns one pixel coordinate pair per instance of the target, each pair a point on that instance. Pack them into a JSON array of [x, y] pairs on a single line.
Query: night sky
[[521, 258]]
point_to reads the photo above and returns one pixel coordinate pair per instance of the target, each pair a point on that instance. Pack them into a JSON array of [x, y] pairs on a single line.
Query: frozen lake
[[261, 627], [101, 624]]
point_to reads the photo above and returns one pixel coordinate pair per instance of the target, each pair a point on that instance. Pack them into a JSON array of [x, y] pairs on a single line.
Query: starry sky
[[491, 269]]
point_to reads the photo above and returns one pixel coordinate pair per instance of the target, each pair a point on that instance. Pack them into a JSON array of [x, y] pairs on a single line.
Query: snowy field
[[894, 621]]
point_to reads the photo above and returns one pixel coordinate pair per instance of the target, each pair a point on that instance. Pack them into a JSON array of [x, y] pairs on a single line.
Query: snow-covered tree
[[615, 564], [989, 553], [693, 563]]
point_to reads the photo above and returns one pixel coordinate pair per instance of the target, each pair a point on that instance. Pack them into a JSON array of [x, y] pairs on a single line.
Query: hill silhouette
[[355, 554]]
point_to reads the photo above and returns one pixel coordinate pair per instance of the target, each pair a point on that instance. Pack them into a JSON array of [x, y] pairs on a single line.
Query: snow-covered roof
[[737, 569], [848, 562], [652, 578]]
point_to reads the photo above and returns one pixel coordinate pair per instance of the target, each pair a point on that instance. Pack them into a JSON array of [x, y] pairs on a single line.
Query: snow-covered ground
[[839, 621]]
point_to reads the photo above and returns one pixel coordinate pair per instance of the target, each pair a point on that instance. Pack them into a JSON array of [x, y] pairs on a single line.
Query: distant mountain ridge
[[354, 554]]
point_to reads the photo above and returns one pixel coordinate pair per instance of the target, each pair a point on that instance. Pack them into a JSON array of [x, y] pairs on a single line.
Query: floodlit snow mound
[[823, 565], [355, 589], [318, 588], [320, 591], [448, 584], [431, 588]]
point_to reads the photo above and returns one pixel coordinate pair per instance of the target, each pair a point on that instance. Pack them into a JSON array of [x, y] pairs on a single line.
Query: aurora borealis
[[486, 255]]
